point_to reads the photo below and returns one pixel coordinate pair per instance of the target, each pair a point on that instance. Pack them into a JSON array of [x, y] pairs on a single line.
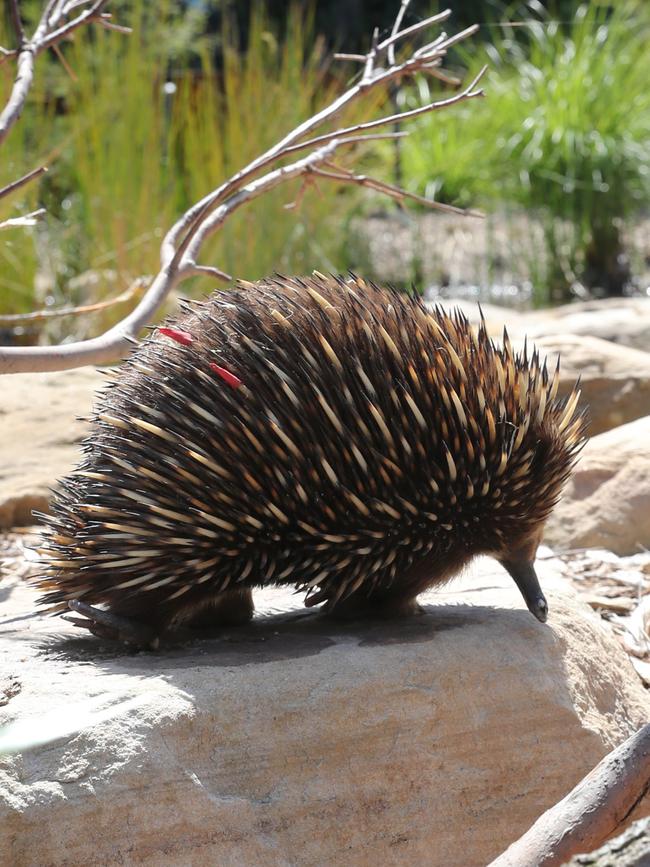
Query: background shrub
[[564, 133]]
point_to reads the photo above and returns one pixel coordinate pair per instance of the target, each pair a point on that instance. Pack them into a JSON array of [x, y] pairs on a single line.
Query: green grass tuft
[[564, 133]]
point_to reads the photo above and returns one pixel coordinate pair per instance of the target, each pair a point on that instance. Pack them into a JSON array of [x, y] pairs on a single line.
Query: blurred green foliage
[[136, 128], [347, 25], [131, 144], [564, 132]]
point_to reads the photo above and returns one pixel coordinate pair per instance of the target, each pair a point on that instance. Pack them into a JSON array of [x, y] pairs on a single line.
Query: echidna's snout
[[525, 578]]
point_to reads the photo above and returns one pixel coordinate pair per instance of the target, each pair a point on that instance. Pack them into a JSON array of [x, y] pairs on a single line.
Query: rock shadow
[[279, 635]]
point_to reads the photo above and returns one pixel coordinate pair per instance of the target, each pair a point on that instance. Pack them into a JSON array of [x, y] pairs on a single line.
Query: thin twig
[[372, 54], [15, 185], [47, 33], [191, 269], [358, 58], [74, 4], [390, 190], [414, 28], [396, 29], [458, 37], [430, 46], [116, 28], [14, 319], [17, 22], [64, 63], [374, 136], [449, 80], [467, 93], [65, 30], [23, 222], [307, 182]]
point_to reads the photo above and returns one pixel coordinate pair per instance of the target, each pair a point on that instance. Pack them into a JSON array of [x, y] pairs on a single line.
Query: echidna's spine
[[322, 433]]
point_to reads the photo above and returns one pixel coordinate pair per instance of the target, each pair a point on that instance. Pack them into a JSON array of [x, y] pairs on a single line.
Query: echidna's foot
[[113, 627], [360, 607], [232, 608]]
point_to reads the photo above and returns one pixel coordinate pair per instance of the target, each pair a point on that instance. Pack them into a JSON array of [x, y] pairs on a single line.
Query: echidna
[[321, 433]]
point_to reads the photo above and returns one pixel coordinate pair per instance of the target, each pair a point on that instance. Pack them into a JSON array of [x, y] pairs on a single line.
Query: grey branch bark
[[594, 810], [182, 244]]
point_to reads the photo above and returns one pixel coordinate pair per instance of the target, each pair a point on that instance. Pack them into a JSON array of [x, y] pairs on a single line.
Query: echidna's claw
[[103, 624]]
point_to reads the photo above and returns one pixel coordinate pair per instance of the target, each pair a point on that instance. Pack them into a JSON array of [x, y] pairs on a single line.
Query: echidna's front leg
[[359, 606], [113, 627]]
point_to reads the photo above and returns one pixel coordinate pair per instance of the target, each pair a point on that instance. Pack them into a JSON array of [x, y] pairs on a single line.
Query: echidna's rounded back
[[277, 430]]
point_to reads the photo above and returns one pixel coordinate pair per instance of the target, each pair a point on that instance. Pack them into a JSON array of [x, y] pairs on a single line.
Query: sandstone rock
[[606, 503], [40, 436], [615, 380], [432, 741], [620, 320]]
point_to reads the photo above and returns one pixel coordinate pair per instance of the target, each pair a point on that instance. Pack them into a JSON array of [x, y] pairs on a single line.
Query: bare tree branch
[[22, 84], [398, 34], [597, 807], [280, 150], [62, 32], [193, 218], [52, 28], [182, 244], [467, 93]]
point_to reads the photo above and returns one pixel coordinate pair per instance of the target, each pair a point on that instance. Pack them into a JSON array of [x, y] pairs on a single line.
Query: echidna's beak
[[525, 578]]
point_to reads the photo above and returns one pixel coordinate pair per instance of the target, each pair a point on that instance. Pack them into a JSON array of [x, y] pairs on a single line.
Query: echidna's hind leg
[[229, 609], [232, 608], [114, 627]]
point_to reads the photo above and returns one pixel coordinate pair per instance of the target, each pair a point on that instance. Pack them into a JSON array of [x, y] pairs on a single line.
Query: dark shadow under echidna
[[321, 433]]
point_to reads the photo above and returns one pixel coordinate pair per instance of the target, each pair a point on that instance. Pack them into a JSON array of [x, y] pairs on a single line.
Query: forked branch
[[56, 23], [182, 244]]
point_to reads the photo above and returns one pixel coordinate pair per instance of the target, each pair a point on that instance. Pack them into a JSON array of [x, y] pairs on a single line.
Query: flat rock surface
[[435, 740], [40, 436], [621, 320], [606, 502]]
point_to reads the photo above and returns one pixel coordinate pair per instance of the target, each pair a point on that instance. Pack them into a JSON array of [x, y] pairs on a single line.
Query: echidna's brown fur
[[320, 433]]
